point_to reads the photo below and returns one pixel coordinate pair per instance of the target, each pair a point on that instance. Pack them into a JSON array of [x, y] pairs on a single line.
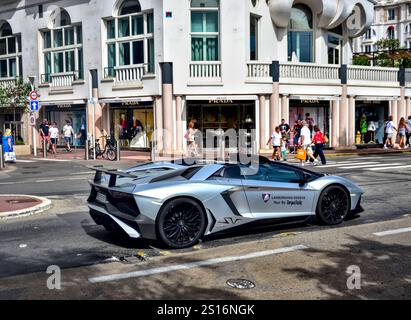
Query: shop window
[[62, 49], [205, 30], [130, 39], [10, 52], [300, 34]]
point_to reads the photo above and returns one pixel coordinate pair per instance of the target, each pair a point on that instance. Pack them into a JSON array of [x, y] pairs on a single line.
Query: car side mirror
[[305, 177]]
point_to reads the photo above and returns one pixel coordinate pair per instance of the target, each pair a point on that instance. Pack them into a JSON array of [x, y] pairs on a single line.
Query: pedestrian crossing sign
[[34, 105]]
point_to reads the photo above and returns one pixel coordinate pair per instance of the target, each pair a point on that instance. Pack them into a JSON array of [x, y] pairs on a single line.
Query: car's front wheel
[[333, 205], [181, 223]]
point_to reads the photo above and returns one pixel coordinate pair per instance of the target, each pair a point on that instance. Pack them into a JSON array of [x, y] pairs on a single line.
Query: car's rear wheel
[[181, 223], [333, 205]]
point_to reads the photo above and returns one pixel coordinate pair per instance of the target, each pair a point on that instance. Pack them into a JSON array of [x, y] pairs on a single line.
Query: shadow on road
[[385, 270]]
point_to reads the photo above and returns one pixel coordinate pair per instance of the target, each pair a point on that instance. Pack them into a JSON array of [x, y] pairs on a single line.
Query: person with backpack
[[319, 139], [389, 131]]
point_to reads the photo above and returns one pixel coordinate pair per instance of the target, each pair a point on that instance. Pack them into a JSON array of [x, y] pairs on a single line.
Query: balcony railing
[[205, 71], [8, 82], [367, 75], [258, 71], [309, 72], [60, 80], [128, 73]]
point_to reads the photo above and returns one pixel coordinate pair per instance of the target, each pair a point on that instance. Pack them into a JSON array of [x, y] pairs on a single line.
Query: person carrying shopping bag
[[8, 147]]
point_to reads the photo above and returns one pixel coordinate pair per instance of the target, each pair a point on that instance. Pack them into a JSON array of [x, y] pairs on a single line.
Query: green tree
[[15, 95]]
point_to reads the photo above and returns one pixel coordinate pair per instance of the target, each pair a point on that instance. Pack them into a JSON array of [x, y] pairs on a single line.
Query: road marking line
[[186, 266], [25, 161], [82, 173], [389, 168], [42, 181], [372, 165], [353, 163], [55, 160], [391, 232]]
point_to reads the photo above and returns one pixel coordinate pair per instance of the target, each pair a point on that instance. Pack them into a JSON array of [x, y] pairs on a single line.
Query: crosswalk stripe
[[389, 168], [352, 163], [371, 166]]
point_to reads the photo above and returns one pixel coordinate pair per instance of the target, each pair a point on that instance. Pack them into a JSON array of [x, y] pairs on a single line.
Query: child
[[284, 149]]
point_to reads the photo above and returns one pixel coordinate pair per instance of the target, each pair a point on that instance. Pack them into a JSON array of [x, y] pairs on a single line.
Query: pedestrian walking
[[275, 140], [305, 143], [409, 132], [310, 121], [68, 133], [319, 139], [45, 134], [296, 135], [389, 131], [8, 146], [190, 136], [284, 144], [54, 136], [402, 132]]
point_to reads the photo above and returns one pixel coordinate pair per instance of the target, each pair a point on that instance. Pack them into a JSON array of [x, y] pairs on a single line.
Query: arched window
[[300, 34], [10, 52], [62, 47], [130, 42], [129, 7], [205, 30]]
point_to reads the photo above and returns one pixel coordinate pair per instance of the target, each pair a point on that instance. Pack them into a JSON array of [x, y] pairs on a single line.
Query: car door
[[234, 197], [275, 191]]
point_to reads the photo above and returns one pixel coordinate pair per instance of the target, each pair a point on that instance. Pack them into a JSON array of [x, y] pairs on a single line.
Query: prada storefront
[[132, 122], [222, 114]]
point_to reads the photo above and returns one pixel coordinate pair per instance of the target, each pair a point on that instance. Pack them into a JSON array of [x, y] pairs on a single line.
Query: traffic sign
[[92, 100], [32, 119], [33, 95], [34, 105]]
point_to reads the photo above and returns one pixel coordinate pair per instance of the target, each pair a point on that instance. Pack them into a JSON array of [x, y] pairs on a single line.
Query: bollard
[[1, 157], [44, 149], [118, 150], [87, 149]]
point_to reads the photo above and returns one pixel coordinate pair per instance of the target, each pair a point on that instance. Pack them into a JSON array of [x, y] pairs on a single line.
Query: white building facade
[[228, 64]]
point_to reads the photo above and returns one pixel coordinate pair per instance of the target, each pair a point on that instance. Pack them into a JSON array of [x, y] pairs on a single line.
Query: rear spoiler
[[113, 173]]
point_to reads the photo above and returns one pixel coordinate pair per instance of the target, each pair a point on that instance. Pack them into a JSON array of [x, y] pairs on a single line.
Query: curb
[[43, 206]]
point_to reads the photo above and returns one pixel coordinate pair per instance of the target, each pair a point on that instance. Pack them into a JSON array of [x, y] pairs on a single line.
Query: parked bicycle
[[108, 152]]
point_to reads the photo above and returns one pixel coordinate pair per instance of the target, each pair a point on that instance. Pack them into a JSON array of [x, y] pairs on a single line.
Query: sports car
[[179, 203]]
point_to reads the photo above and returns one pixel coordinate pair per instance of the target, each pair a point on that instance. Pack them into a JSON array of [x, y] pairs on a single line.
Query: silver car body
[[228, 202]]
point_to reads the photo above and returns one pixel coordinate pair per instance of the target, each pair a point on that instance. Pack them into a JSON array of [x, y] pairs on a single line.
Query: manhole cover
[[240, 284]]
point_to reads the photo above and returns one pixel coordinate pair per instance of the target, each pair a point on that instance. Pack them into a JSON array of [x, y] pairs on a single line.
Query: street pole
[[94, 129], [34, 142], [1, 157], [87, 148], [118, 150]]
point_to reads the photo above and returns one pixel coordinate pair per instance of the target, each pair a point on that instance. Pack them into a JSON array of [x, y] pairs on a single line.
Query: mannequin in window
[[363, 127], [372, 128]]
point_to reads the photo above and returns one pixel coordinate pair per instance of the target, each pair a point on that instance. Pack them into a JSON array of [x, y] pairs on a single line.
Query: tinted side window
[[275, 173]]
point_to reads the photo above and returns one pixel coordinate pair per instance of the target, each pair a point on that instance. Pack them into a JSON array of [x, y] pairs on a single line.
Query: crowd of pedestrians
[[50, 135], [307, 144]]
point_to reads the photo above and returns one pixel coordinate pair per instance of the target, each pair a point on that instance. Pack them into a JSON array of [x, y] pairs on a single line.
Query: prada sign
[[221, 100], [130, 103]]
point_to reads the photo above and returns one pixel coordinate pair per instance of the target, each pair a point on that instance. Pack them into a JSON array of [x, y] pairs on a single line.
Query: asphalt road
[[67, 237]]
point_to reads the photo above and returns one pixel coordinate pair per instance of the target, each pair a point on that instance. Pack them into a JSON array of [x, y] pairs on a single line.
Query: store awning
[[125, 100], [376, 98], [313, 98], [54, 103]]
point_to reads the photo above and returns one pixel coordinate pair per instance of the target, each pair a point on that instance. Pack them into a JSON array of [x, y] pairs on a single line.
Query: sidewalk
[[22, 205]]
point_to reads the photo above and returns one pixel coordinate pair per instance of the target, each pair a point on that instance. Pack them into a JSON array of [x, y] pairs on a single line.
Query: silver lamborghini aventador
[[179, 204]]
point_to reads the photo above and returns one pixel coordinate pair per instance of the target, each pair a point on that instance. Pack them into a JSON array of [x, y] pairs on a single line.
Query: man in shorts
[[45, 133], [389, 131], [306, 141], [68, 134]]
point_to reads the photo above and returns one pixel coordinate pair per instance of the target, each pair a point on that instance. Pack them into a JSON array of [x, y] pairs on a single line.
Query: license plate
[[101, 197]]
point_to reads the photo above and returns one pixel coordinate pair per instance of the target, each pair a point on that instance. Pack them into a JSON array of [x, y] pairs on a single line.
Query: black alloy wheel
[[333, 205], [181, 223]]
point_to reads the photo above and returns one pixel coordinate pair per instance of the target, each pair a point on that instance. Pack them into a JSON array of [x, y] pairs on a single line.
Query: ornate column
[[179, 124], [264, 134], [335, 123]]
